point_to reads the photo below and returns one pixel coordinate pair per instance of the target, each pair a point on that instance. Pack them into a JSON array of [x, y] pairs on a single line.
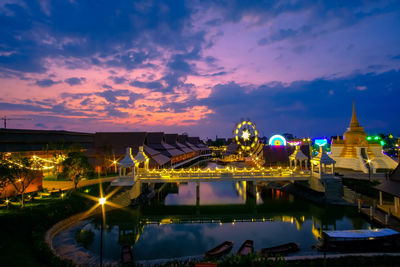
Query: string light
[[38, 160]]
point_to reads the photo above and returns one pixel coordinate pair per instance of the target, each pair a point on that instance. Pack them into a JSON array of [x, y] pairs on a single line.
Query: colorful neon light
[[294, 143], [246, 135], [321, 141], [277, 140], [374, 137]]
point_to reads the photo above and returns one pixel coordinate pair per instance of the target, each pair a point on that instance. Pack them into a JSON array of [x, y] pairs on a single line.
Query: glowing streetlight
[[102, 201]]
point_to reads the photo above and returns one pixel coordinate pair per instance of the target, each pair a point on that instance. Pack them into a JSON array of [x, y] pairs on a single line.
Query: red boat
[[246, 248], [281, 249], [126, 254], [219, 250]]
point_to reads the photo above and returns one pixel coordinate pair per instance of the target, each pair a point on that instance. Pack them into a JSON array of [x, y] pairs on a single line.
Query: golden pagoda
[[356, 153]]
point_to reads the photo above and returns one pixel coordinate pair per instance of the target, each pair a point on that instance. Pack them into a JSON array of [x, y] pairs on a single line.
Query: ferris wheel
[[246, 135]]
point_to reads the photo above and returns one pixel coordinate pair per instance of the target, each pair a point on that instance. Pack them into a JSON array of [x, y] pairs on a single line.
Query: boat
[[246, 248], [220, 250], [380, 239], [281, 249], [126, 254]]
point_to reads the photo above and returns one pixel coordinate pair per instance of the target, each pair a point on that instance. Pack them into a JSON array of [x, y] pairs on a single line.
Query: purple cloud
[[75, 81]]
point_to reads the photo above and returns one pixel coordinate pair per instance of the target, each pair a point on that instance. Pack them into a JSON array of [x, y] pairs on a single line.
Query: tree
[[105, 159], [76, 166], [21, 175], [4, 175]]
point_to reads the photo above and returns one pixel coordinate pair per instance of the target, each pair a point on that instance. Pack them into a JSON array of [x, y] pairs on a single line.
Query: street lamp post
[[369, 170], [115, 166], [102, 201]]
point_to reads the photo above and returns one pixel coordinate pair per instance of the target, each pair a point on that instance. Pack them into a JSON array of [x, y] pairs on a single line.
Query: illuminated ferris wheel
[[246, 135]]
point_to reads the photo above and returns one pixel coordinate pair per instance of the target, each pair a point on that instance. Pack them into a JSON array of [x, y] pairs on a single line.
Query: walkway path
[[65, 185], [362, 176], [226, 174], [379, 217]]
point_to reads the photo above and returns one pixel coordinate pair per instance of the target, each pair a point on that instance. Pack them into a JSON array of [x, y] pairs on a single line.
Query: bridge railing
[[176, 175]]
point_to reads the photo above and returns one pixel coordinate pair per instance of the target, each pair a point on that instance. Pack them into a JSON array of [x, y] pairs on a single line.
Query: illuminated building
[[356, 153], [156, 141], [172, 139], [298, 157], [163, 150]]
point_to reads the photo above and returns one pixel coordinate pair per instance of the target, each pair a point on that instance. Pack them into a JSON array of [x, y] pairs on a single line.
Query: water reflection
[[188, 219], [210, 193], [167, 231]]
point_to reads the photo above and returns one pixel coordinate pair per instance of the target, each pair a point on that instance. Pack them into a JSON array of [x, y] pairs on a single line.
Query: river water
[[178, 224]]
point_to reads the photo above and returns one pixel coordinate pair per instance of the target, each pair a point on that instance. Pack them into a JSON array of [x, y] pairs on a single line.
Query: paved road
[[65, 185]]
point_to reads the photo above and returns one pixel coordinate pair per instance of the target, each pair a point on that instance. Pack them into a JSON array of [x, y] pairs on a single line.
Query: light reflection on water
[[286, 219], [210, 193]]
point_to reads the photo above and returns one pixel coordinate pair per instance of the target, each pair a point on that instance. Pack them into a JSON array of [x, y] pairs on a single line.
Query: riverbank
[[253, 260], [309, 194], [23, 231]]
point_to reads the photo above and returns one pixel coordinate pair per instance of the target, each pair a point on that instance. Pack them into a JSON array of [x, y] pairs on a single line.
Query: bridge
[[230, 174], [213, 175]]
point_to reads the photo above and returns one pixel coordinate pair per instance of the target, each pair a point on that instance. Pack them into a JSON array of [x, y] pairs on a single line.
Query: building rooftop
[[16, 140]]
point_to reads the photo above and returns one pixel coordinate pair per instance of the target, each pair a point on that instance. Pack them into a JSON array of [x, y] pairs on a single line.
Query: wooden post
[[198, 194], [359, 204], [380, 198], [370, 213], [395, 204]]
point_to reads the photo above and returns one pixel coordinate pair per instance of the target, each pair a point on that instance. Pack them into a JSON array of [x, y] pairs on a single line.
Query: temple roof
[[354, 121], [141, 156], [298, 154], [128, 160], [322, 157], [391, 186]]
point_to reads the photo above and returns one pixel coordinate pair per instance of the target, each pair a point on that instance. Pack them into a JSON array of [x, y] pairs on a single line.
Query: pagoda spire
[[354, 120]]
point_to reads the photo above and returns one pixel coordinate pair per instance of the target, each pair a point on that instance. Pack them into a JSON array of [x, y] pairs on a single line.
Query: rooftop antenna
[[5, 119]]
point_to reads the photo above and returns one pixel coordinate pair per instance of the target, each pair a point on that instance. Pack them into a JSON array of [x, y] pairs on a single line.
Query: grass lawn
[[52, 177], [22, 230]]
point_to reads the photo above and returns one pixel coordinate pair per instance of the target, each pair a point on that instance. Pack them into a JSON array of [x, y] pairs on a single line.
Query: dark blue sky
[[200, 66]]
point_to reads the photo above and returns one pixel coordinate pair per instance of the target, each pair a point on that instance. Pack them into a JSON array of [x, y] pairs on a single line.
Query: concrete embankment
[[61, 236], [307, 193], [66, 247]]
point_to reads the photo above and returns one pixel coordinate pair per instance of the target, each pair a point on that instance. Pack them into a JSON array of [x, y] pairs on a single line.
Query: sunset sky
[[200, 66]]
